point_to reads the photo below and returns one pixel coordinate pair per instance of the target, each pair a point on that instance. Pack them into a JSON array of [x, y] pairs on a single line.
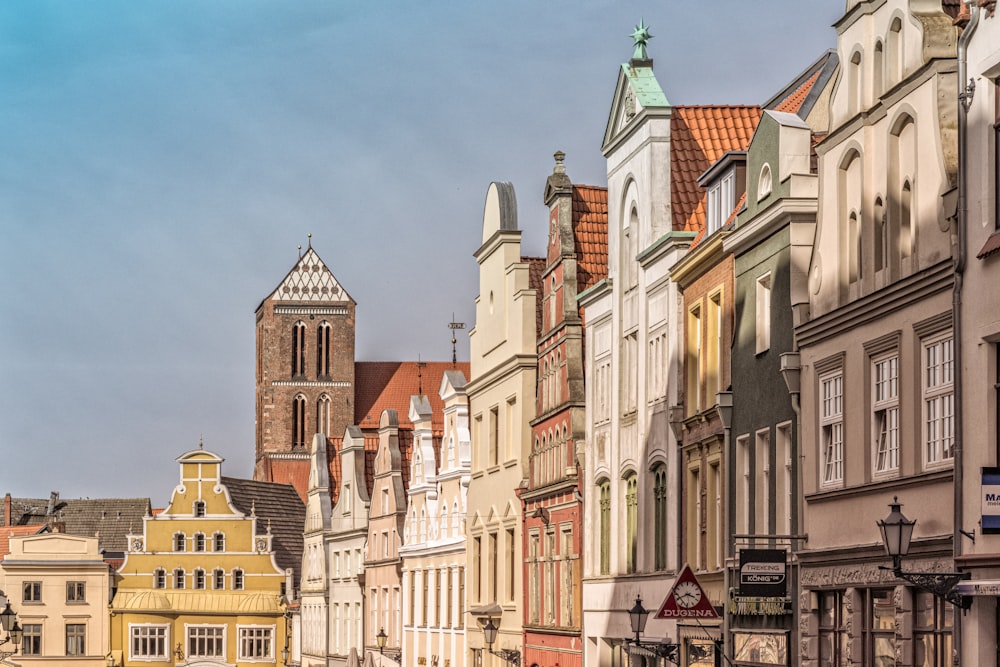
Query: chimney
[[6, 510], [53, 501]]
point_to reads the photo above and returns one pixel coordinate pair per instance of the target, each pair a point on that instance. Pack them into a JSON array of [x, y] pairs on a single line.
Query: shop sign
[[687, 599], [991, 501], [763, 573], [985, 587]]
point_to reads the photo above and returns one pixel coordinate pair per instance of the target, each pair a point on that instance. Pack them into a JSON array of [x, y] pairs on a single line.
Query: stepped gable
[[699, 136], [109, 519], [590, 234], [536, 268], [280, 505]]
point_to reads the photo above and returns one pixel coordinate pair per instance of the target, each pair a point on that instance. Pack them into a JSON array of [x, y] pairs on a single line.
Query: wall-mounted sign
[[687, 599], [991, 501], [763, 572]]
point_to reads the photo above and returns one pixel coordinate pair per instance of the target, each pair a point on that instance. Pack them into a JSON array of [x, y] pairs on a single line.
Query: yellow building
[[200, 584]]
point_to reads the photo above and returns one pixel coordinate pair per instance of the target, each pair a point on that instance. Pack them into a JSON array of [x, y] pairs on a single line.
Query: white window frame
[[220, 640], [144, 631], [938, 400], [885, 414], [831, 411], [763, 312], [242, 632]]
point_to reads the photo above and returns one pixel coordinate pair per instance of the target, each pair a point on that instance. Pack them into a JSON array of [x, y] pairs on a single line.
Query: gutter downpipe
[[964, 101]]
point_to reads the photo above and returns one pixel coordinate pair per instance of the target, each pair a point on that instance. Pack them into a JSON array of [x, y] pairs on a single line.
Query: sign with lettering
[[687, 599], [987, 587], [991, 501], [763, 572]]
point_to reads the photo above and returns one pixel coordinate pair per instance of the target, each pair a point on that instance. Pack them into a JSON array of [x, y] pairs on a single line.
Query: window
[[933, 625], [721, 201], [256, 643], [534, 577], [299, 421], [179, 578], [833, 620], [939, 400], [425, 603], [763, 313], [880, 627], [853, 248], [237, 579], [512, 561], [219, 542], [881, 236], [159, 578], [713, 361], [849, 200], [494, 453], [180, 542], [444, 583], [323, 415], [660, 517], [460, 616], [631, 521], [854, 83], [206, 641], [76, 639], [510, 428], [477, 560], [693, 365], [694, 518], [31, 640], [894, 53], [199, 508], [199, 542], [493, 567], [743, 484], [32, 591], [885, 413], [567, 565], [299, 349], [832, 421], [550, 578], [199, 580], [762, 482], [605, 496], [783, 479], [323, 335], [764, 182], [76, 591], [148, 642]]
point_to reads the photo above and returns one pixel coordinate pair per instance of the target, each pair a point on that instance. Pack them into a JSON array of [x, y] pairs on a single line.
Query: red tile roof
[[699, 136], [8, 532], [793, 102], [590, 234], [536, 267], [379, 385], [294, 472]]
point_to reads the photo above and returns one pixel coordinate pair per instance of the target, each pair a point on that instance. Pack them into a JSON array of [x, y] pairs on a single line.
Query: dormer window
[[199, 508], [721, 201]]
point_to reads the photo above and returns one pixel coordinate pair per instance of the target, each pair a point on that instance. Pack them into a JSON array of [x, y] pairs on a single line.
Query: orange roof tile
[[699, 136], [590, 234], [16, 531], [294, 472], [793, 102], [379, 385]]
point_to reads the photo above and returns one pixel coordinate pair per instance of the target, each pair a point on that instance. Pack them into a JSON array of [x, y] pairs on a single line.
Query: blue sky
[[162, 160]]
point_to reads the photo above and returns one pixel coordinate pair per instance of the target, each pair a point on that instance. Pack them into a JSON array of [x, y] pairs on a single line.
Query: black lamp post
[[380, 639], [897, 531], [513, 656], [8, 621], [637, 617]]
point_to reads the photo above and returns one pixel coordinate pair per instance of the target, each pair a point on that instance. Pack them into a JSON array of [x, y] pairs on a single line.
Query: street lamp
[[8, 621], [897, 532], [637, 617], [380, 639], [513, 656]]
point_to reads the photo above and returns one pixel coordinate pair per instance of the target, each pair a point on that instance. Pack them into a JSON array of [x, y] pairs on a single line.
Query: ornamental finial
[[641, 37]]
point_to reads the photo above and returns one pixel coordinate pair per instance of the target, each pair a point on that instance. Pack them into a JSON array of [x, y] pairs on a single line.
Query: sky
[[162, 161]]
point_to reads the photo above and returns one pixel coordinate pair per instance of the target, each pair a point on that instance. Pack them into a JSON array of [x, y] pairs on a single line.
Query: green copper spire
[[641, 37]]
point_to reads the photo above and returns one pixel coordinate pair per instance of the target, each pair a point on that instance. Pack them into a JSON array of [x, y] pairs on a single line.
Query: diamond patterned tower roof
[[310, 280]]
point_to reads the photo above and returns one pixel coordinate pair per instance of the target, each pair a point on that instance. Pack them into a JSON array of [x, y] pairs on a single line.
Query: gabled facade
[[576, 259], [382, 583], [501, 402], [60, 586], [433, 554], [876, 341], [315, 642], [200, 581]]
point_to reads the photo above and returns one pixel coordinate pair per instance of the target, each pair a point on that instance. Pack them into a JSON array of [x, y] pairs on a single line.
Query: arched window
[[903, 166], [444, 521], [199, 579], [631, 521], [218, 579], [180, 542], [853, 248], [323, 349], [878, 69], [849, 197], [219, 542], [604, 492], [855, 81], [199, 508], [881, 236], [159, 578], [199, 542], [894, 53], [179, 578], [764, 182], [323, 415], [299, 421], [660, 516], [299, 349], [237, 579], [906, 220]]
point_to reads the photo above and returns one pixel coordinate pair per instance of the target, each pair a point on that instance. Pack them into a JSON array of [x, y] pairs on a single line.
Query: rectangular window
[[567, 565], [550, 578], [693, 365], [460, 616], [148, 642], [494, 453], [880, 628], [833, 619], [713, 357], [76, 591], [783, 479], [477, 439], [31, 640], [444, 583], [512, 561], [477, 571], [32, 591], [510, 429], [885, 413], [832, 423], [206, 641], [534, 583], [762, 482], [425, 601], [939, 400], [76, 639], [933, 628], [716, 545], [492, 567], [763, 313], [743, 481], [605, 491], [631, 522]]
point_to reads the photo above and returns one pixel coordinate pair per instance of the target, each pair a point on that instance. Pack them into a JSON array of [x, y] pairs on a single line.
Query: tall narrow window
[[493, 567], [237, 579], [179, 579], [854, 83], [832, 421], [199, 542], [219, 580], [713, 356], [763, 303], [783, 479], [494, 454], [605, 495], [693, 365], [199, 580], [477, 568], [834, 617], [743, 482], [550, 578], [323, 335], [299, 421], [199, 508], [534, 577], [894, 53], [219, 542], [567, 563], [159, 578], [939, 400], [511, 564], [76, 639], [323, 415], [299, 349], [853, 248], [460, 616], [881, 236], [631, 521], [660, 517], [885, 413], [906, 221], [762, 482], [180, 542]]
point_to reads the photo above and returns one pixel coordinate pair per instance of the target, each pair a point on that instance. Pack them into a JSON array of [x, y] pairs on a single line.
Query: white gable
[[310, 280]]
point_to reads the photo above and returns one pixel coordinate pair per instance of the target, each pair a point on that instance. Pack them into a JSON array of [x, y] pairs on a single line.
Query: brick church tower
[[305, 368]]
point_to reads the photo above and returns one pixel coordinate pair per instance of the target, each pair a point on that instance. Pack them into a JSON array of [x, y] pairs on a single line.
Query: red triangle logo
[[687, 599]]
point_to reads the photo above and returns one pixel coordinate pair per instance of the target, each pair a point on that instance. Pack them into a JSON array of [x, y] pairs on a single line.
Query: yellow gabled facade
[[199, 584]]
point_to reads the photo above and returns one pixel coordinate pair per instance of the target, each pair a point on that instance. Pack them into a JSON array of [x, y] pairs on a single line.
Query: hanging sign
[[687, 599], [762, 573], [991, 501]]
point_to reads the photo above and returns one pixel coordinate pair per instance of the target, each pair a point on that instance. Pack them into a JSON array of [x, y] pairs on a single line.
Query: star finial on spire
[[641, 37]]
